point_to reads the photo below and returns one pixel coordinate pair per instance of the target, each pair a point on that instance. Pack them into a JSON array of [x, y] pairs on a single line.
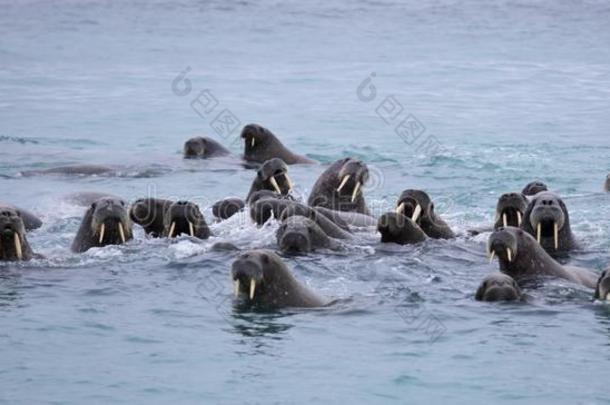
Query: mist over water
[[493, 96]]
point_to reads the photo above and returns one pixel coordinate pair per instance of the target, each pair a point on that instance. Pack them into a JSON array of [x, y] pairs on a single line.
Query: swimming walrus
[[30, 221], [546, 218], [522, 258], [260, 145], [184, 217], [340, 187], [533, 188], [73, 170], [272, 176], [14, 245], [263, 280], [106, 222], [397, 228], [201, 147], [418, 206], [149, 213], [300, 235], [498, 287], [510, 210], [228, 207]]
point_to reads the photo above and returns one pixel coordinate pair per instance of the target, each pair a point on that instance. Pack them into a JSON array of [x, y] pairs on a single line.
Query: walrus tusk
[[608, 297], [355, 193], [252, 288], [121, 232], [236, 288], [539, 232], [191, 229], [252, 142], [504, 220], [401, 208], [275, 185], [556, 235], [509, 253], [416, 213], [492, 254], [171, 229], [519, 218], [345, 179], [102, 231], [18, 250], [290, 185]]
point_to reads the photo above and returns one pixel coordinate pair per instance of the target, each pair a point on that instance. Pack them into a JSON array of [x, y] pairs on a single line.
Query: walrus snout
[[602, 291], [184, 217], [547, 219], [12, 235], [247, 273], [352, 176], [398, 228], [295, 242], [510, 210], [498, 287], [504, 244], [110, 221], [415, 204], [194, 147], [274, 174]]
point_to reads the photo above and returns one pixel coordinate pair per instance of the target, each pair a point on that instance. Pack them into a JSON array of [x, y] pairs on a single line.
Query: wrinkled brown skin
[[276, 286], [11, 223], [432, 225], [30, 221], [546, 204], [228, 207], [267, 146], [105, 210], [324, 192], [602, 288], [181, 212], [530, 261], [300, 235], [149, 213], [396, 228], [275, 168], [498, 287], [202, 147]]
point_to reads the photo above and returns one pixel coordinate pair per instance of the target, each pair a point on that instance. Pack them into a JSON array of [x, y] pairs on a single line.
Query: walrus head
[[352, 176], [258, 140], [602, 291], [13, 243], [259, 273], [273, 176], [417, 205], [547, 215], [498, 287], [202, 147], [184, 217], [397, 228], [149, 213], [295, 234], [534, 188], [110, 222], [510, 209], [504, 244]]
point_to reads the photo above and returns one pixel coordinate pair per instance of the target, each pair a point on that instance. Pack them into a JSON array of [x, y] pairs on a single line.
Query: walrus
[[14, 245], [106, 222], [546, 218], [522, 258], [399, 229], [534, 188], [602, 288], [607, 184], [30, 221], [510, 210], [149, 213], [184, 217], [86, 198], [300, 235], [272, 176], [498, 287], [201, 147], [262, 278], [73, 170], [418, 206], [340, 187], [228, 207], [261, 145]]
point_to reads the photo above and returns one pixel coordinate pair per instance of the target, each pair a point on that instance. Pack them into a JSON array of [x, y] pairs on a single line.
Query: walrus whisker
[[171, 229], [539, 232], [275, 185], [509, 254], [355, 193], [121, 232], [505, 220], [236, 287], [102, 231], [401, 208], [252, 288], [191, 229], [556, 235], [416, 213], [18, 249], [345, 179], [492, 254], [519, 218]]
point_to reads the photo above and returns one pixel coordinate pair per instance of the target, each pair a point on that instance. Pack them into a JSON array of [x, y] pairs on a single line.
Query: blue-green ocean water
[[502, 93]]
